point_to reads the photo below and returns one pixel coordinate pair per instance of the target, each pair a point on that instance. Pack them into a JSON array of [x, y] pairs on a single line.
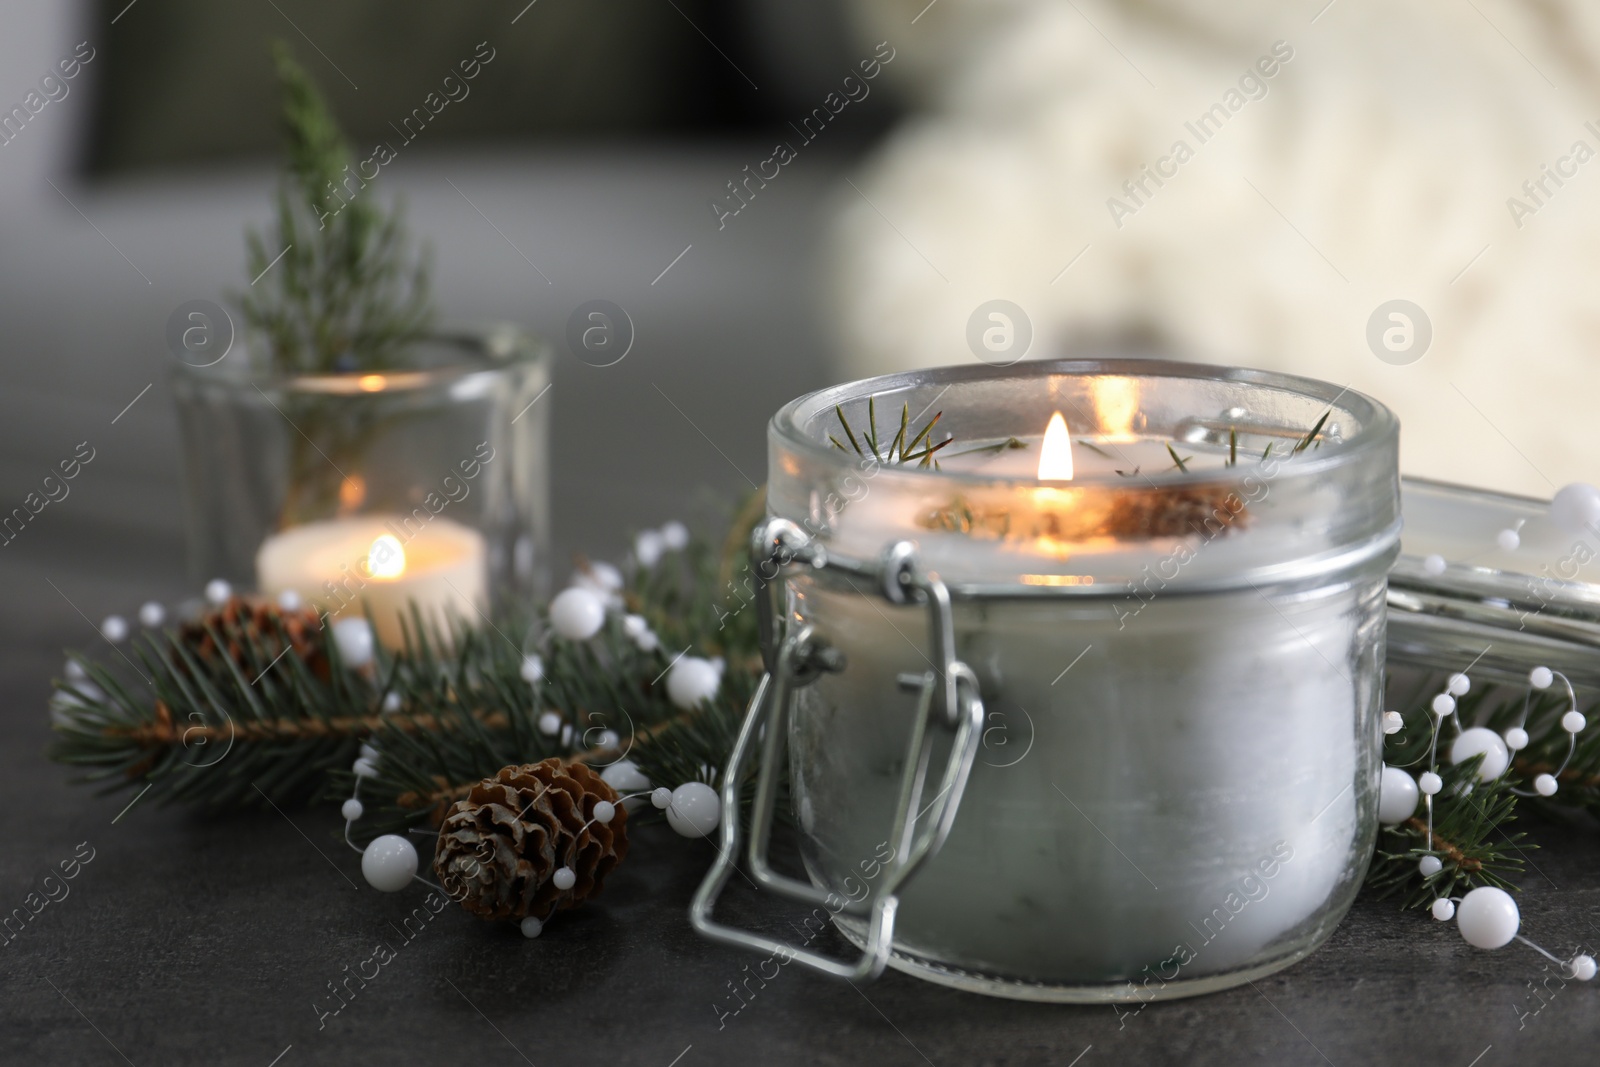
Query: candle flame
[[387, 559], [1055, 454], [371, 383]]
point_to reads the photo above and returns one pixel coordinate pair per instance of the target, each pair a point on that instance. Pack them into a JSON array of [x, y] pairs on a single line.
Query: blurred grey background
[[588, 147]]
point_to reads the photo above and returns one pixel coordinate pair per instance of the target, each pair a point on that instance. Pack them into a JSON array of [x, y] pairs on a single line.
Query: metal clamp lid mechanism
[[795, 657]]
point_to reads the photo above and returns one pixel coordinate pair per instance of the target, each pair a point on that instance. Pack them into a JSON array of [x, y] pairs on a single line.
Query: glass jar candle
[[1130, 615]]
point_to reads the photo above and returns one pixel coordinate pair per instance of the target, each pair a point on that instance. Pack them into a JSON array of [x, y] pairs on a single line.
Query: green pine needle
[[1305, 442], [901, 451]]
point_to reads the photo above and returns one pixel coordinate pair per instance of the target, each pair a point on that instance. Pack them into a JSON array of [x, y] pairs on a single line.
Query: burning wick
[[1055, 454], [387, 558]]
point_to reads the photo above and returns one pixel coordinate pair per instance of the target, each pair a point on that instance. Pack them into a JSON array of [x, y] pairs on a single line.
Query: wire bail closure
[[795, 656]]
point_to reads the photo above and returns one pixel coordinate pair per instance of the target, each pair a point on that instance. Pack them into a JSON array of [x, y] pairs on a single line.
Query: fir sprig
[[1471, 837], [1472, 820], [448, 709], [335, 287]]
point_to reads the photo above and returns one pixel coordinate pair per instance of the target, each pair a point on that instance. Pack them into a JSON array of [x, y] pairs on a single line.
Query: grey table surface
[[190, 939]]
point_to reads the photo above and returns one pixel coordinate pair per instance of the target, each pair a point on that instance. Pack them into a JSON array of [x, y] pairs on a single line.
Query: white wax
[[349, 565], [1165, 776], [1118, 804]]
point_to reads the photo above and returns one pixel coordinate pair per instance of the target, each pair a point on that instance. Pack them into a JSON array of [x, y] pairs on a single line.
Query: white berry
[[1429, 866], [1582, 968], [1392, 722], [1434, 564], [692, 681], [289, 600], [75, 671], [695, 810], [1397, 796], [114, 629], [604, 812], [368, 752], [647, 642], [600, 576], [531, 927], [1482, 740], [391, 703], [648, 547], [625, 777], [353, 637], [351, 810], [1444, 909], [152, 614], [364, 768], [1460, 685], [1575, 507], [389, 863], [675, 535], [1508, 540], [532, 669], [577, 613], [1516, 739], [635, 625], [564, 878], [1541, 677], [1545, 785], [218, 591], [549, 723], [1430, 783], [1573, 722], [1444, 704], [661, 797], [1488, 917]]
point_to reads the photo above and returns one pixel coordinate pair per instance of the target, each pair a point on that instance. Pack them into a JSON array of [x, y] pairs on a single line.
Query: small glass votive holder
[[1090, 729], [426, 486]]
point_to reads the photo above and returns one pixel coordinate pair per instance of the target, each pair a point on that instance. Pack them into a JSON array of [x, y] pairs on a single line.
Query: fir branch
[[1471, 829], [1471, 839], [346, 294], [228, 718]]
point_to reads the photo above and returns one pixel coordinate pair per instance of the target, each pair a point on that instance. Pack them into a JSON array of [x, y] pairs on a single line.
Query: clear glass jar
[[1180, 666], [291, 481]]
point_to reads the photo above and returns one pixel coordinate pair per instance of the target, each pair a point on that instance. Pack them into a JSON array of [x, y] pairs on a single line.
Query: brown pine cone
[[245, 621], [499, 849]]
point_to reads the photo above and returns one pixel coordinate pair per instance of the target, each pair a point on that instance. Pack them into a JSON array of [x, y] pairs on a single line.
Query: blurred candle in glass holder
[[377, 564]]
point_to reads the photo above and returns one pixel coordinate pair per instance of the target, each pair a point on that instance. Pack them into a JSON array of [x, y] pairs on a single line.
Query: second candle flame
[[1055, 454]]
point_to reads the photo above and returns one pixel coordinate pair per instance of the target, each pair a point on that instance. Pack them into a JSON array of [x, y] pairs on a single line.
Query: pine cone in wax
[[253, 631], [502, 849]]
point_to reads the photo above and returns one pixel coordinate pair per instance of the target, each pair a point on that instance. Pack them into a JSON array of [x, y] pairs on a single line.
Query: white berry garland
[[1487, 917]]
